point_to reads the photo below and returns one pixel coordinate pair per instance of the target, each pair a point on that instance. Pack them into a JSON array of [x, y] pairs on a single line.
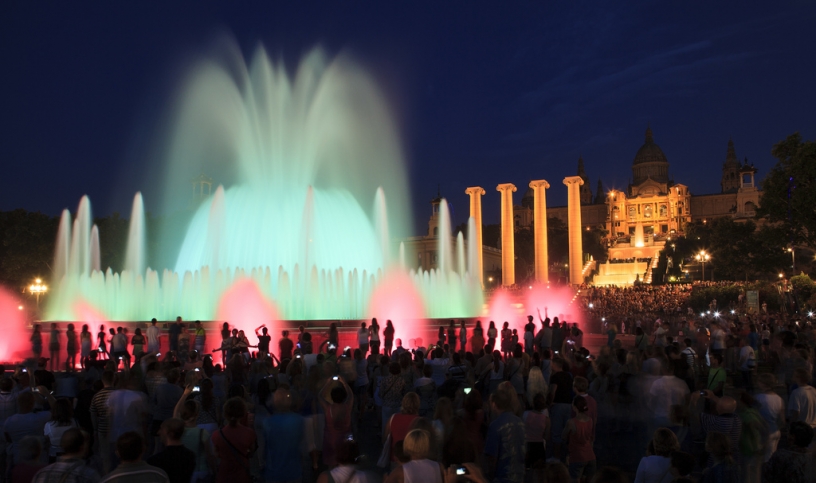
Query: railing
[[647, 277]]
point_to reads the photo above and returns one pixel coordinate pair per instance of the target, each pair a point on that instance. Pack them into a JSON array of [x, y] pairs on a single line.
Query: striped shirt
[[69, 470], [728, 424], [140, 472], [99, 409]]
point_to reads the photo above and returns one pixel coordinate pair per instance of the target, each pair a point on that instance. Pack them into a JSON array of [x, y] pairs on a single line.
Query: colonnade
[[539, 187]]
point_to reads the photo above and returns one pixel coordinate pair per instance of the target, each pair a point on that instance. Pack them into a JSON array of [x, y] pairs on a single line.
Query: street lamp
[[38, 288], [793, 260], [703, 257]]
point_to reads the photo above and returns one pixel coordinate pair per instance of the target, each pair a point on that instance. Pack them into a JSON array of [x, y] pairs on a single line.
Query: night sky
[[484, 92]]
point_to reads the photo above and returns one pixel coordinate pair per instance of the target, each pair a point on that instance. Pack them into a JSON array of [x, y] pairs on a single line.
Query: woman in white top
[[62, 419], [656, 468], [496, 371], [417, 446], [345, 471], [772, 410]]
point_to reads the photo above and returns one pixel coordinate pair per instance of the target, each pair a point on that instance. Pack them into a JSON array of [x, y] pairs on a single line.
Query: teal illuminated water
[[314, 188]]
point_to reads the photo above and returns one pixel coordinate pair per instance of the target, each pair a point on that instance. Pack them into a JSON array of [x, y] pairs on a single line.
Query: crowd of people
[[632, 306], [710, 399]]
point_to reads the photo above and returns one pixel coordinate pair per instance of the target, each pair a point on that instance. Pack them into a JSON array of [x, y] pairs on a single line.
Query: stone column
[[476, 193], [508, 233], [576, 249], [539, 187]]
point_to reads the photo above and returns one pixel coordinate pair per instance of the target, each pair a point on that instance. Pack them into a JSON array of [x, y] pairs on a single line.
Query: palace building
[[652, 209]]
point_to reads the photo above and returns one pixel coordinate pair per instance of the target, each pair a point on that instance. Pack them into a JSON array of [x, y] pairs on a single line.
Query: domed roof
[[649, 152]]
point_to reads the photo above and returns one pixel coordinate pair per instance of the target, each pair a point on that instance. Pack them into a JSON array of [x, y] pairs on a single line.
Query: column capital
[[570, 180], [506, 187], [475, 190], [539, 183]]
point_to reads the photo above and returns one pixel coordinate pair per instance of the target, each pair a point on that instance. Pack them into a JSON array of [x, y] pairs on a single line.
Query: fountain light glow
[[13, 343], [301, 158]]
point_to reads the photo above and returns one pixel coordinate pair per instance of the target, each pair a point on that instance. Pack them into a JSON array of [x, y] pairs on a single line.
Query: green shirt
[[715, 377]]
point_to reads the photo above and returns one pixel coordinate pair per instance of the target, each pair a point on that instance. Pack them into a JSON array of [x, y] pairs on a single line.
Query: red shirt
[[234, 462], [400, 425], [580, 442]]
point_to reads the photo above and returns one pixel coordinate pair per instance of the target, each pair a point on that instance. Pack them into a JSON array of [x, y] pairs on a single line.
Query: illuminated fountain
[[307, 162]]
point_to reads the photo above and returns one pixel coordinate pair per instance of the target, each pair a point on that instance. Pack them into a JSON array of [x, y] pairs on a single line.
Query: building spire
[[649, 137], [581, 170], [600, 196], [731, 155]]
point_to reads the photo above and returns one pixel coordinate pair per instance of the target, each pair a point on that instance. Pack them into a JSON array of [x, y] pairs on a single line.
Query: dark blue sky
[[485, 92]]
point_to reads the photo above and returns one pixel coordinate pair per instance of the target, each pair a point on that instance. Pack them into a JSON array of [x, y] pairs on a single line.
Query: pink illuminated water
[[14, 343], [554, 301], [550, 300], [397, 299], [245, 308]]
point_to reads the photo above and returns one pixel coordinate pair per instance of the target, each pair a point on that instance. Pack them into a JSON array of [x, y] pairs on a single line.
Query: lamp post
[[703, 257], [38, 288], [793, 260]]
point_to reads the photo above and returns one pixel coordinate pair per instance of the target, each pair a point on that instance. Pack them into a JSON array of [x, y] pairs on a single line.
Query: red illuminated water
[[396, 298], [245, 308], [551, 301], [14, 343]]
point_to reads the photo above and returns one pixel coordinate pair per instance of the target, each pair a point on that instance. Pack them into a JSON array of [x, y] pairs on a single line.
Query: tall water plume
[[135, 253], [298, 160]]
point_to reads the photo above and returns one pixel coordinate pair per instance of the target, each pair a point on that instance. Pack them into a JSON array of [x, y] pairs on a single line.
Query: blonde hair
[[665, 442], [410, 403], [417, 444], [535, 385]]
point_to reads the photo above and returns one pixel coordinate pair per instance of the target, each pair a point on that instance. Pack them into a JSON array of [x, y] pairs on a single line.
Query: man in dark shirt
[[286, 346], [561, 395], [176, 460], [263, 341], [175, 330], [505, 446]]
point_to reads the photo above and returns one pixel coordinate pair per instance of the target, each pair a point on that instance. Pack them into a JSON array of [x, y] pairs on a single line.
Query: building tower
[[433, 221], [600, 196], [586, 190], [650, 163], [730, 171], [202, 188]]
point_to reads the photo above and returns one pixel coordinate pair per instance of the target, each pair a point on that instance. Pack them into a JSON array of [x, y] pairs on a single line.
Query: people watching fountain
[[632, 398], [54, 347], [362, 338], [173, 333]]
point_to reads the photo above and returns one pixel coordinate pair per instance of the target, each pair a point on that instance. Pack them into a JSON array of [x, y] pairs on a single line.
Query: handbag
[[384, 460], [238, 456]]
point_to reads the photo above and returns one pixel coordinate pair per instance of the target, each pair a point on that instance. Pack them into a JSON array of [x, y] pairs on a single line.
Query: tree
[[789, 190], [27, 242], [738, 250]]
